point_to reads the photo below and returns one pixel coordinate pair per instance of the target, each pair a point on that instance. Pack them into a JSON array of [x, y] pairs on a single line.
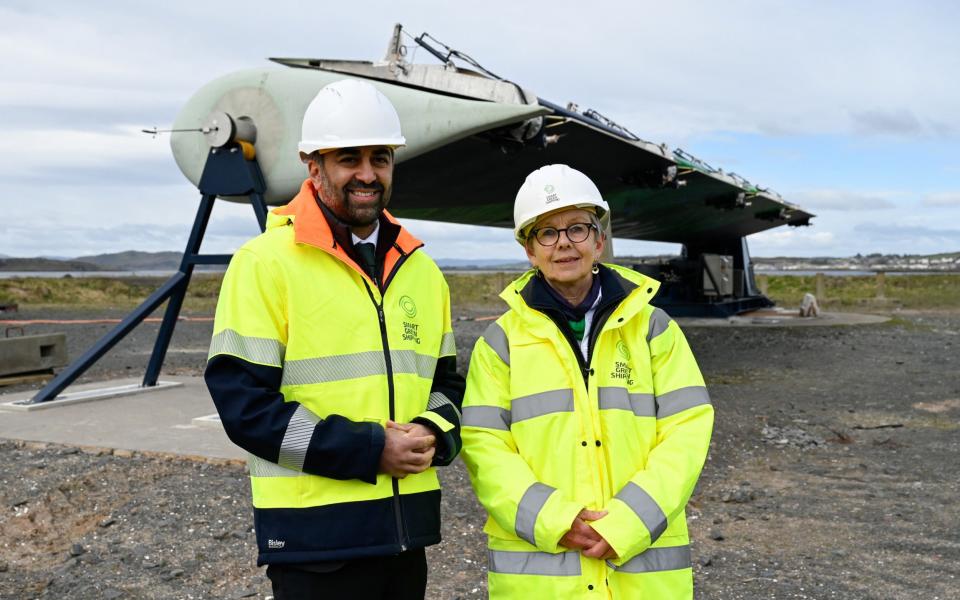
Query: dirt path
[[832, 474]]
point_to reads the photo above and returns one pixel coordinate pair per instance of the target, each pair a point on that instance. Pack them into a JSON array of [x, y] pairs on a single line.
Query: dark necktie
[[368, 258]]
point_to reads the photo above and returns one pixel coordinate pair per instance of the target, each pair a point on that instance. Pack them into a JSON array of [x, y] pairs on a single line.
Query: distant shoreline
[[146, 264], [161, 273]]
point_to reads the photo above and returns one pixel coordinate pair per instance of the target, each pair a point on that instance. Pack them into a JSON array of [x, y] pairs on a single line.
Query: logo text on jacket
[[622, 370]]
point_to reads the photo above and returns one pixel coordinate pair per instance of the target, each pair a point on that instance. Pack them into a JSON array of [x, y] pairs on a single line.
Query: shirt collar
[[370, 239]]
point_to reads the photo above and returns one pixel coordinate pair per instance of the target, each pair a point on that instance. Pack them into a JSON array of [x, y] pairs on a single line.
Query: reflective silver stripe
[[617, 398], [496, 338], [437, 400], [353, 366], [528, 509], [263, 351], [264, 468], [659, 321], [544, 403], [333, 368], [680, 400], [646, 508], [489, 417], [296, 440], [533, 563], [413, 363], [656, 559], [448, 345]]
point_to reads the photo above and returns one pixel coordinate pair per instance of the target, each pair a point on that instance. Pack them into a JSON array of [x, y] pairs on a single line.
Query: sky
[[850, 110]]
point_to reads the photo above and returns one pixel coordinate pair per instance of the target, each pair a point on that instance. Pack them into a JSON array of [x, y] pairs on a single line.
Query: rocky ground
[[832, 474]]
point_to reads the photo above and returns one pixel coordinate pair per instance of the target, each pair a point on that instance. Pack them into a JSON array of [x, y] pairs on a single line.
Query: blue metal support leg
[[179, 291], [104, 344], [226, 173], [191, 257]]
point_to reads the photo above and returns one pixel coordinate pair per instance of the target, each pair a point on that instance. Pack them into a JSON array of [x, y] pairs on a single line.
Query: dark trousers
[[399, 577]]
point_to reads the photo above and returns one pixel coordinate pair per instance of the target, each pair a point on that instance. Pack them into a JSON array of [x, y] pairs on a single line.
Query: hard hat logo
[[348, 114], [551, 197]]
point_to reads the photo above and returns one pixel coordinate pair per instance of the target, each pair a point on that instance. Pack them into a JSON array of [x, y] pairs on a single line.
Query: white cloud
[[845, 200], [80, 79], [669, 70], [921, 236], [942, 199], [789, 241], [47, 150], [451, 240]]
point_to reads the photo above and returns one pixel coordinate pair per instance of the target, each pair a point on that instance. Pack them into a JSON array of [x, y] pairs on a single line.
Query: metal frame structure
[[681, 291], [226, 173]]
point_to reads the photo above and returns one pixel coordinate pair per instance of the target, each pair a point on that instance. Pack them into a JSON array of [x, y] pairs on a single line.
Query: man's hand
[[581, 536], [406, 449], [414, 429], [601, 550]]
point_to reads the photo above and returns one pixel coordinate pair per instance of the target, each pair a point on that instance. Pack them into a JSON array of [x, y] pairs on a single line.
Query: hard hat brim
[[308, 147], [521, 233]]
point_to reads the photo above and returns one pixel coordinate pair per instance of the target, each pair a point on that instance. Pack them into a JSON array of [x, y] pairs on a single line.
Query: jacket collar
[[537, 294], [631, 289], [311, 227]]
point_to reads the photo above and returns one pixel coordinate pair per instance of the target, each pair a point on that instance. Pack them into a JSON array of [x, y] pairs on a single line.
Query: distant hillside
[[134, 260], [45, 264], [481, 263], [130, 260]]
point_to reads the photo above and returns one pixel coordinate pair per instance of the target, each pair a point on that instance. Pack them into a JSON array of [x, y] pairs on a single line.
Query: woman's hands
[[585, 538]]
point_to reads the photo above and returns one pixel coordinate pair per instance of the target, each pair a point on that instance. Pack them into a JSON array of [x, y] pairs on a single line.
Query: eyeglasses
[[549, 236]]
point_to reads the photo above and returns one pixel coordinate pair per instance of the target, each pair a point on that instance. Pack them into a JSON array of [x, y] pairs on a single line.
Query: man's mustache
[[359, 186]]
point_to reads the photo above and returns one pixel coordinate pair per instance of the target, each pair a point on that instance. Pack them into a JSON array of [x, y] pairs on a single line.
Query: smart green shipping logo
[[622, 350], [408, 306], [549, 190]]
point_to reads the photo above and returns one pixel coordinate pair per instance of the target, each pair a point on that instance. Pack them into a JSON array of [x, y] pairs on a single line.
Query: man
[[333, 364]]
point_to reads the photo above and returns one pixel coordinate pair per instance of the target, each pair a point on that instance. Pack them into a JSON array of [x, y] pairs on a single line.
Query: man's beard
[[338, 201]]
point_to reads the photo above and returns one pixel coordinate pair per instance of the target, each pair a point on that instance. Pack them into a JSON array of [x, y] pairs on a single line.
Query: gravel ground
[[832, 474]]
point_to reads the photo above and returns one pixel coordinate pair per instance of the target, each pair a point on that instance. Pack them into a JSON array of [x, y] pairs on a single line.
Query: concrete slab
[[160, 421]]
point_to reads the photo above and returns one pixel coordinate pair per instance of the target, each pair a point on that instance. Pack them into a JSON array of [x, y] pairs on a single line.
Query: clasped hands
[[408, 449], [584, 538]]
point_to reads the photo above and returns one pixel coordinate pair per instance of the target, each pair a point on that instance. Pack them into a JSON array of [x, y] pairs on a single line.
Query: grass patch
[[481, 290], [104, 292], [861, 292], [478, 290]]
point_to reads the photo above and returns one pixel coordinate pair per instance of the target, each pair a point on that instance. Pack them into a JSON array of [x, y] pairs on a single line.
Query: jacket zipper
[[595, 328], [572, 342], [397, 507]]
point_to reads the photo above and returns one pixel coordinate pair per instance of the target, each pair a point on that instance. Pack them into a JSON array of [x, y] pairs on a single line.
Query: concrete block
[[31, 353]]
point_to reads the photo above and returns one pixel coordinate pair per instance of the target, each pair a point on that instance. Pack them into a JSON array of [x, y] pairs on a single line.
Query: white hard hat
[[552, 187], [349, 113]]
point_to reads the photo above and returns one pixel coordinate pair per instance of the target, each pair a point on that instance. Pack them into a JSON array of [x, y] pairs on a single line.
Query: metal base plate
[[88, 395]]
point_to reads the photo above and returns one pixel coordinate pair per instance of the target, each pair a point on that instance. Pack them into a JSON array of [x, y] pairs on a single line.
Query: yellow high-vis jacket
[[310, 357], [547, 434]]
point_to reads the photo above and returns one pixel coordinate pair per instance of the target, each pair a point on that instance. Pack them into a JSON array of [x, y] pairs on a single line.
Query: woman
[[586, 421]]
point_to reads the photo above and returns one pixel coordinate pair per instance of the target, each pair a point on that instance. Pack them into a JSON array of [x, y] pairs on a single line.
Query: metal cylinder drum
[[275, 99]]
